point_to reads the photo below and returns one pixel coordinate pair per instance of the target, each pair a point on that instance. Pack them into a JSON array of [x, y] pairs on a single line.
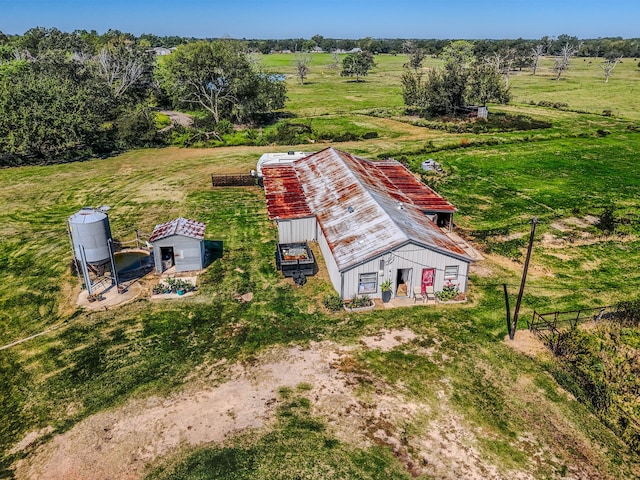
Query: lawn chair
[[430, 293], [417, 295]]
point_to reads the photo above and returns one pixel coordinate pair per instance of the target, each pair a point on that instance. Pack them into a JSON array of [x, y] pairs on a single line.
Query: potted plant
[[386, 290]]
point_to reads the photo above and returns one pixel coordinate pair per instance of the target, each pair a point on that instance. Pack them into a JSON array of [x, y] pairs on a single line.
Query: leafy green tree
[[487, 84], [415, 53], [218, 78], [357, 65], [458, 58], [51, 108], [39, 41], [460, 82], [136, 128]]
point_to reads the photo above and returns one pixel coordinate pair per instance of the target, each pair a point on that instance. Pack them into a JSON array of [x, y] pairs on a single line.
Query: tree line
[[66, 96], [606, 47], [70, 96]]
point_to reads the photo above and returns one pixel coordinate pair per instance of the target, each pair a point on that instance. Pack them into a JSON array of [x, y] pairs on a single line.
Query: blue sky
[[331, 18]]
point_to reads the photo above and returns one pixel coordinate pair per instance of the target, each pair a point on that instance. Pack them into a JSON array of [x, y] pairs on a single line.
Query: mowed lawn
[[564, 174], [581, 87]]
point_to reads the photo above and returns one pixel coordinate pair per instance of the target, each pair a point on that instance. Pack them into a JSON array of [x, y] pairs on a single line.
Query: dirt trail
[[122, 442], [177, 118]]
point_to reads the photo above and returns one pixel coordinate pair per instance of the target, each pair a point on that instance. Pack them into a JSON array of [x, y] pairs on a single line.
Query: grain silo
[[92, 244]]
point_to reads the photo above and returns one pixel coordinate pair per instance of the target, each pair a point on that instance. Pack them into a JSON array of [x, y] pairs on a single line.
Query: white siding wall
[[332, 267], [297, 230], [188, 252], [408, 256]]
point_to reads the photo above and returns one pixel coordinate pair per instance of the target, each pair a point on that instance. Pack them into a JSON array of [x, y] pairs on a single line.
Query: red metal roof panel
[[284, 193], [179, 226]]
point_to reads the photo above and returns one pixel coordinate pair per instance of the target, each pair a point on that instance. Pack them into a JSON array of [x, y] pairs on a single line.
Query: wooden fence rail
[[234, 180]]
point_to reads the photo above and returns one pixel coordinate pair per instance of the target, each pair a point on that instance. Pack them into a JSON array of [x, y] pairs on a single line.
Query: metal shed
[[374, 221], [180, 244]]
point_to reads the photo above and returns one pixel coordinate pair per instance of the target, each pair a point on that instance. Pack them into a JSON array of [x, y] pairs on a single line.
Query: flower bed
[[448, 293], [173, 285], [359, 304]]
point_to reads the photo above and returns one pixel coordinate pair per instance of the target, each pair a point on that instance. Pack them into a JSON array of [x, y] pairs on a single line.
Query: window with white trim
[[367, 283], [451, 272]]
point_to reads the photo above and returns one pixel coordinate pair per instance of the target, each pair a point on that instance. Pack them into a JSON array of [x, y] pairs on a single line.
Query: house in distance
[[373, 221]]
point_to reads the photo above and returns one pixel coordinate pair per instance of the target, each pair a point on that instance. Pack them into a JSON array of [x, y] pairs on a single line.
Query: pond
[[129, 261]]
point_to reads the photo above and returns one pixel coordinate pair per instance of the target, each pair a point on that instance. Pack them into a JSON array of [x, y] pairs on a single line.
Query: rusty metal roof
[[395, 176], [359, 205], [179, 226], [285, 195]]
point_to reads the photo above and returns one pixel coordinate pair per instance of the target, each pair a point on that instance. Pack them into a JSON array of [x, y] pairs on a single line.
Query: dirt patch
[[482, 270], [513, 236], [177, 118], [220, 402], [591, 265], [388, 339], [561, 226], [551, 241], [513, 266], [157, 191], [121, 442], [526, 342]]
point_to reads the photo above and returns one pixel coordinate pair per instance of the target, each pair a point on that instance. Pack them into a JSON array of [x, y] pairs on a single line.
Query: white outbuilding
[[180, 244]]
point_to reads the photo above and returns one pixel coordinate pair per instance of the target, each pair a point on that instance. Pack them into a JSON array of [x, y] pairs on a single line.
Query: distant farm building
[[180, 244], [373, 221], [474, 111], [162, 51]]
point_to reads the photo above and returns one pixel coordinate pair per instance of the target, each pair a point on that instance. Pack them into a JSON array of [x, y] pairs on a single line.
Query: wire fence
[[549, 327]]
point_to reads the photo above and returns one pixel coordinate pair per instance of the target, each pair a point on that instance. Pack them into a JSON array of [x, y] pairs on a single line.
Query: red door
[[428, 274]]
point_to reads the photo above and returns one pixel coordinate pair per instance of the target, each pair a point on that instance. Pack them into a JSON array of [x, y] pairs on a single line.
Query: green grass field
[[564, 174]]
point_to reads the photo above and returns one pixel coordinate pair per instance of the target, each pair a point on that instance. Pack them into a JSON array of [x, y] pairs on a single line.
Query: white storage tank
[[90, 231]]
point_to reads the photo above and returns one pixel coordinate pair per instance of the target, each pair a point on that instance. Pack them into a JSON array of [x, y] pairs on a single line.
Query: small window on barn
[[451, 272], [367, 283]]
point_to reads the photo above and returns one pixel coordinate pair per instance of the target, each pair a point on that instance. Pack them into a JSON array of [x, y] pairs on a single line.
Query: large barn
[[373, 221]]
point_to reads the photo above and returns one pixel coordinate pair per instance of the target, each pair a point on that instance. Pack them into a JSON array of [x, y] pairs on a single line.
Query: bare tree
[[502, 62], [335, 63], [120, 71], [302, 67], [562, 61], [212, 94], [536, 52], [608, 65]]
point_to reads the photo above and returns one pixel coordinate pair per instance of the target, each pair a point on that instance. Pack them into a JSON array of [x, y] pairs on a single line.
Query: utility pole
[[512, 331]]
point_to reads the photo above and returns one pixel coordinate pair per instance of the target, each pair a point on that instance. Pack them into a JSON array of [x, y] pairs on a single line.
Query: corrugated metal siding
[[332, 267], [188, 252], [407, 256], [297, 230]]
